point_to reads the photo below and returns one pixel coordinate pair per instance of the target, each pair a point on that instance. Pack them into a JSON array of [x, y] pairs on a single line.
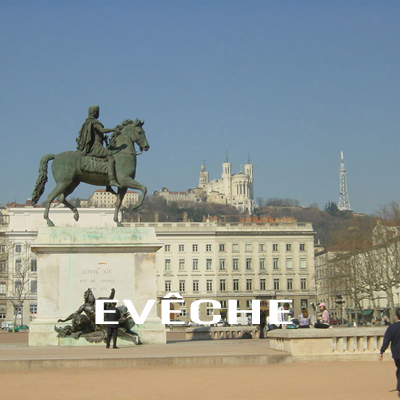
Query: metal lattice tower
[[344, 203]]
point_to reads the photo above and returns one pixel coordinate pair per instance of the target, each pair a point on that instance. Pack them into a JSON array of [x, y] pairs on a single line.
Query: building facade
[[178, 197], [103, 199], [209, 260], [239, 262]]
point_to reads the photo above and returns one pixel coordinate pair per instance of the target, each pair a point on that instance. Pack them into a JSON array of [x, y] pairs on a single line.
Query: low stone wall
[[228, 332], [329, 344]]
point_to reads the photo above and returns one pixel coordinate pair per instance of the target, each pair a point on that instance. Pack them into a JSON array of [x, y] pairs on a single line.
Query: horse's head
[[134, 130]]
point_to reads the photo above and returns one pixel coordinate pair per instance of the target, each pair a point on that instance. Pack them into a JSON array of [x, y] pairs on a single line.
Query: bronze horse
[[69, 171]]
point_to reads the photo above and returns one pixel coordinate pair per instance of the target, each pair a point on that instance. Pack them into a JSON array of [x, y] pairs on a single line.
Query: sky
[[290, 84]]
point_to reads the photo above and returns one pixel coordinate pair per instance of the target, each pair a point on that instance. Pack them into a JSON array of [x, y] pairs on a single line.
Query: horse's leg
[[62, 199], [118, 203], [61, 186], [132, 184]]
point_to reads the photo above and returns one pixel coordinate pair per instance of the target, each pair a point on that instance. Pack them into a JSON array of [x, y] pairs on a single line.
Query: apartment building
[[240, 262]]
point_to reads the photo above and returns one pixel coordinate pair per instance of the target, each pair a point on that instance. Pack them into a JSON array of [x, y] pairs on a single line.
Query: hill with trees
[[325, 222]]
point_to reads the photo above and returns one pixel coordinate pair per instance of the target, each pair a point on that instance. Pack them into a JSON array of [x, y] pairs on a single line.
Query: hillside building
[[103, 199]]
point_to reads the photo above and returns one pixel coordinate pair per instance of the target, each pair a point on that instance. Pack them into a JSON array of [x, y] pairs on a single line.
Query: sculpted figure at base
[[95, 164], [83, 322]]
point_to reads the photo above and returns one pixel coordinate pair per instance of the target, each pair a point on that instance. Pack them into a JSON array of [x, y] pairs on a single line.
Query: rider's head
[[94, 111]]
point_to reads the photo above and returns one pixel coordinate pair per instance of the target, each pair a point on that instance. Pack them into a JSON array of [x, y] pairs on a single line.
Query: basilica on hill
[[231, 189]]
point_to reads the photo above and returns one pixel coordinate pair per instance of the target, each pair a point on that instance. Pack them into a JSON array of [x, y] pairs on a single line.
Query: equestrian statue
[[92, 163]]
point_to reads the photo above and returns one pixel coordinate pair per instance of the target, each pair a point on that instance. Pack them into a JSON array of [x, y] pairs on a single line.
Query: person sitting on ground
[[304, 319], [324, 320]]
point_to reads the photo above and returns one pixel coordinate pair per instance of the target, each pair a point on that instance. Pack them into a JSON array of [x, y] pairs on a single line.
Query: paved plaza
[[158, 380]]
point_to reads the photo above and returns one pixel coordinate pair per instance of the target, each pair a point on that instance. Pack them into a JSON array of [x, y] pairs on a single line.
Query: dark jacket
[[114, 316], [392, 336]]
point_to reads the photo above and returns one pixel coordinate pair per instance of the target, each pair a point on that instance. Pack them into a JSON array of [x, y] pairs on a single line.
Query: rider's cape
[[85, 138]]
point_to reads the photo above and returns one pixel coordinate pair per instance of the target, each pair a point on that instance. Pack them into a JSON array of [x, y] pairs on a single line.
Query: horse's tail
[[42, 179]]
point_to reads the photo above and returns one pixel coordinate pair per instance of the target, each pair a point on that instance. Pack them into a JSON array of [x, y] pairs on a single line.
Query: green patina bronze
[[94, 164]]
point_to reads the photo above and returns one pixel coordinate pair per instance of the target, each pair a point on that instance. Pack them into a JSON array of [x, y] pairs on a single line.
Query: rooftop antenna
[[344, 203], [248, 157], [226, 156]]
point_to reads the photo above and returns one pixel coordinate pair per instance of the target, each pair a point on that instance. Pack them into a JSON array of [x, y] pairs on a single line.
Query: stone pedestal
[[71, 260]]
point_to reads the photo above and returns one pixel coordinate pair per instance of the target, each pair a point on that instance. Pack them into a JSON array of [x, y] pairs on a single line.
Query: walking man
[[112, 329], [392, 336]]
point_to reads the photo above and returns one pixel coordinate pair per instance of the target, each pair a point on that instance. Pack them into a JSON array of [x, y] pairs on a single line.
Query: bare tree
[[21, 278], [368, 261], [353, 272]]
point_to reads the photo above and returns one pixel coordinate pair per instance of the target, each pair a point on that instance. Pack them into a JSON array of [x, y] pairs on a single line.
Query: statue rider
[[90, 143]]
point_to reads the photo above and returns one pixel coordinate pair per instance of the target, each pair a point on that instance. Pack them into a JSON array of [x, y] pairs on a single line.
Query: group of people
[[304, 319]]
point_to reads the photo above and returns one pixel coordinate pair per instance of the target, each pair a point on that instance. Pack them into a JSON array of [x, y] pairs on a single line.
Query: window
[[3, 248], [290, 284], [2, 287], [167, 286], [33, 265], [208, 247], [182, 286], [276, 284], [235, 248], [236, 285], [288, 247], [289, 263], [248, 263], [275, 263], [303, 283], [18, 248], [181, 265], [262, 263], [304, 303], [222, 285], [181, 247], [274, 247], [210, 312], [262, 284], [33, 308], [221, 247], [303, 264], [195, 248], [261, 247], [248, 303], [235, 264], [17, 287], [183, 312], [249, 284], [3, 266], [195, 265], [223, 303], [209, 285], [209, 264], [222, 264], [34, 286], [18, 266], [248, 247], [167, 265], [195, 286], [167, 248], [302, 247]]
